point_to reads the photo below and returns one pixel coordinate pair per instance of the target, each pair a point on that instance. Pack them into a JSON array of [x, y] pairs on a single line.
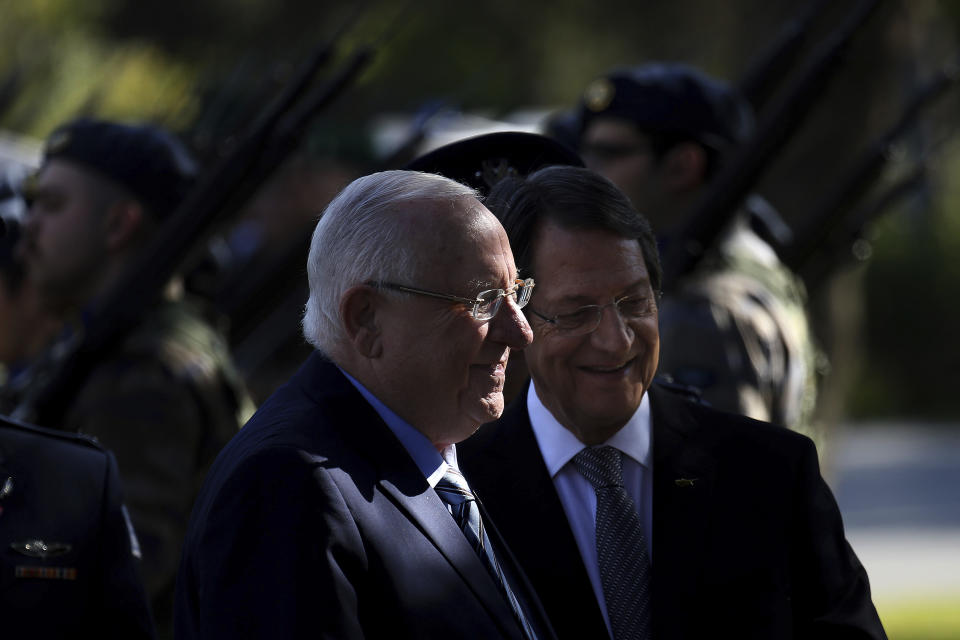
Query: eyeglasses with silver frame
[[484, 307], [586, 319]]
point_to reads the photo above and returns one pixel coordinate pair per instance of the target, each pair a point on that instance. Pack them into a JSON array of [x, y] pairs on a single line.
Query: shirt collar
[[558, 445], [431, 462]]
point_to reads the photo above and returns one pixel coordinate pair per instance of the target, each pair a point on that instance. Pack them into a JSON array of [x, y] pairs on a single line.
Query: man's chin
[[491, 406]]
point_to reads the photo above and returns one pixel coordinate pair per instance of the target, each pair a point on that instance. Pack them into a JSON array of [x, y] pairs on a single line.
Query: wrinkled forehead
[[458, 236], [443, 226]]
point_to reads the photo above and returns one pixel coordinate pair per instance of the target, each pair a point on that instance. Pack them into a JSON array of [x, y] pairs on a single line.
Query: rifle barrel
[[718, 204], [828, 213]]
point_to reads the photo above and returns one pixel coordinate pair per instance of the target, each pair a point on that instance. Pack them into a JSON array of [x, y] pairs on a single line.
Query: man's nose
[[613, 333], [510, 326]]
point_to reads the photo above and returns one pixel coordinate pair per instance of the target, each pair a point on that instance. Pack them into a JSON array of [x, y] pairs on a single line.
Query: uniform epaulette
[[65, 436]]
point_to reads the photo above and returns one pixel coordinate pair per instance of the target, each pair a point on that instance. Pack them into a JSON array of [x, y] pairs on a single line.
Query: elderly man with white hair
[[339, 510]]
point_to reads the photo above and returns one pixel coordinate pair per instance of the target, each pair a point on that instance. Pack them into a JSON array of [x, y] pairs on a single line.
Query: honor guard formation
[[536, 383]]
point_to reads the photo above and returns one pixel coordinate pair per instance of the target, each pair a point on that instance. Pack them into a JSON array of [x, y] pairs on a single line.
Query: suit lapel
[[401, 481], [683, 482], [427, 511]]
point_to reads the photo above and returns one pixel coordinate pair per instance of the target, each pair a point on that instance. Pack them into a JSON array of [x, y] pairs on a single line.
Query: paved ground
[[898, 486]]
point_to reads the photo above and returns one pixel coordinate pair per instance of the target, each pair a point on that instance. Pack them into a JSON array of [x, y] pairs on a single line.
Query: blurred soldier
[[67, 551], [166, 398], [736, 328]]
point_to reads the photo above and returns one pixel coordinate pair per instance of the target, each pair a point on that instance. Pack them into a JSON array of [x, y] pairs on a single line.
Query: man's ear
[[124, 221], [684, 167], [359, 309]]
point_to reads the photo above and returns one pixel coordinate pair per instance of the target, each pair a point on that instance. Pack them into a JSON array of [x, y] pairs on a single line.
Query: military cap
[[482, 161], [672, 99], [147, 160]]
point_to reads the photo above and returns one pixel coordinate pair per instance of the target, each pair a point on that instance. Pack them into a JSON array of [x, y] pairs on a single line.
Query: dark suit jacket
[[753, 547], [315, 522], [63, 490]]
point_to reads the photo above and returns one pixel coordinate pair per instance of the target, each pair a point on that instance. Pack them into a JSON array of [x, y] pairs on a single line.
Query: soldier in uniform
[[736, 327], [166, 398], [68, 555]]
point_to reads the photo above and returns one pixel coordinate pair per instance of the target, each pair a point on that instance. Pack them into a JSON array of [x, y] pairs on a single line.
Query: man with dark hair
[[164, 398], [635, 512], [736, 327], [339, 510]]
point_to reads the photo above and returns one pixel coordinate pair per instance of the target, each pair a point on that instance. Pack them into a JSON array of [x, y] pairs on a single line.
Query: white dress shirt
[[558, 446]]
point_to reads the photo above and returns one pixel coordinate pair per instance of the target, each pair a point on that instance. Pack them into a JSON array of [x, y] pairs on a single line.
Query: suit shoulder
[[719, 427]]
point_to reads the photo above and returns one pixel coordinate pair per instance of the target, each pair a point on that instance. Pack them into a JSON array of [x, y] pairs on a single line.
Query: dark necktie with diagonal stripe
[[462, 504], [621, 546]]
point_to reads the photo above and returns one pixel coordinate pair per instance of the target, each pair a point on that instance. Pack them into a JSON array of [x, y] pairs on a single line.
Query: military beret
[[147, 160], [673, 99], [482, 161]]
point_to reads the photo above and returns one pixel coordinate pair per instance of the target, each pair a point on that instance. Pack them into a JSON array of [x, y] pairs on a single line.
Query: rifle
[[758, 82], [828, 213], [717, 206], [219, 193], [849, 242]]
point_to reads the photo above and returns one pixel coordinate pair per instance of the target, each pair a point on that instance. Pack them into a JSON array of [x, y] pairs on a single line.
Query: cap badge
[[57, 142], [599, 94]]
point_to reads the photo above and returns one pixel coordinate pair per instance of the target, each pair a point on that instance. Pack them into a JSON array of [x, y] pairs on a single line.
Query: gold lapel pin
[[684, 483]]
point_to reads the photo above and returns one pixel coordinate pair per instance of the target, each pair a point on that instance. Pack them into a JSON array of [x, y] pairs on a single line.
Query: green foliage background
[[203, 68]]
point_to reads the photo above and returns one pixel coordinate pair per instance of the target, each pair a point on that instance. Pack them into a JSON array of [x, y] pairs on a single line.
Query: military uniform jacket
[[66, 564], [165, 401], [747, 538], [736, 328], [315, 522]]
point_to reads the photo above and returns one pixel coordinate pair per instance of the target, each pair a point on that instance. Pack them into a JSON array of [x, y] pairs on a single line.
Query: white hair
[[356, 240]]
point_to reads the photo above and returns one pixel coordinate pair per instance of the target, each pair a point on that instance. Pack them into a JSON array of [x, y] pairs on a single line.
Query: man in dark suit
[[734, 531], [68, 556], [329, 514]]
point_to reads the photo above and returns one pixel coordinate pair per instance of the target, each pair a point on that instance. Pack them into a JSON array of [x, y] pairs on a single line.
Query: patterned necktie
[[462, 504], [621, 547]]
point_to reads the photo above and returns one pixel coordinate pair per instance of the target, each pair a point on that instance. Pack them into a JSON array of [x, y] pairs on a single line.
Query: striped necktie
[[462, 504], [621, 547]]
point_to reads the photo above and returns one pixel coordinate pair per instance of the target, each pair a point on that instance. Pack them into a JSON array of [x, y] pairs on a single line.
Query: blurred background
[[875, 216]]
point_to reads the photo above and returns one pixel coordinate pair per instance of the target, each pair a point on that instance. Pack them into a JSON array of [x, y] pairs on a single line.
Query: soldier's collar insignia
[[36, 548]]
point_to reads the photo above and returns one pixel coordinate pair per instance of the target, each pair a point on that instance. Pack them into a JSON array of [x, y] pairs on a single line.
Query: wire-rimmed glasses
[[586, 319], [484, 307]]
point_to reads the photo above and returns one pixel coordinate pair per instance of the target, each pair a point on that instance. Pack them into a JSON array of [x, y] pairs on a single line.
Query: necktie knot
[[453, 488], [601, 466]]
